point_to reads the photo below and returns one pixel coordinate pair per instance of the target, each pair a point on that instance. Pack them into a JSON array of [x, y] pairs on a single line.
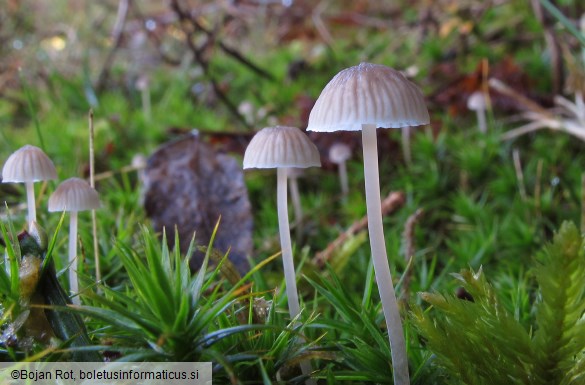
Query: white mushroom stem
[[292, 295], [342, 169], [73, 284], [285, 244], [30, 202], [481, 121], [380, 258]]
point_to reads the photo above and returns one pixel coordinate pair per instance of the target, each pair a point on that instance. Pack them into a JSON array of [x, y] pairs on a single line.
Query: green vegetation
[[499, 212], [480, 341]]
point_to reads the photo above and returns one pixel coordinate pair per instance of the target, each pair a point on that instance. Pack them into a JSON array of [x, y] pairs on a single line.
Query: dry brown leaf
[[189, 185]]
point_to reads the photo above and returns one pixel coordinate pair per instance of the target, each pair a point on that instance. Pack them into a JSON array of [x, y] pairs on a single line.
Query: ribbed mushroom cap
[[476, 101], [281, 146], [368, 94], [339, 152], [28, 164], [74, 194]]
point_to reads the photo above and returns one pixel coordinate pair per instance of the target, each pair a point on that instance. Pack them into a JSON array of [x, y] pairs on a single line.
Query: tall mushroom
[[73, 195], [283, 148], [366, 97], [27, 165]]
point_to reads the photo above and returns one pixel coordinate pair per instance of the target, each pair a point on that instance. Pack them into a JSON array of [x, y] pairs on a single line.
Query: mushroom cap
[[28, 164], [74, 194], [477, 101], [339, 152], [368, 94], [281, 146]]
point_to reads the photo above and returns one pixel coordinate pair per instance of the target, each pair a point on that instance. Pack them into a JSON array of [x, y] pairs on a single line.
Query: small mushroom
[[284, 148], [366, 97], [73, 195], [477, 102], [339, 153], [27, 165]]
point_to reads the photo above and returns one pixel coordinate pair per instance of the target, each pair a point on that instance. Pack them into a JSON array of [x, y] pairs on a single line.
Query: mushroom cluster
[[30, 164], [361, 98]]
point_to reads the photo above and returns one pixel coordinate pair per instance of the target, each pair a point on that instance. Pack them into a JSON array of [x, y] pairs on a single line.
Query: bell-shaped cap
[[281, 146], [339, 152], [74, 194], [28, 164], [368, 94], [477, 101]]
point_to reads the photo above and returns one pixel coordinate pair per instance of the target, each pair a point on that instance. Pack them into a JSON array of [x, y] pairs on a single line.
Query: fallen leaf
[[189, 185]]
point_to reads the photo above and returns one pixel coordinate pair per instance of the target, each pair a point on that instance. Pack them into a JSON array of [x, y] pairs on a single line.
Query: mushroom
[[284, 148], [366, 97], [73, 195], [339, 153], [27, 165], [477, 102]]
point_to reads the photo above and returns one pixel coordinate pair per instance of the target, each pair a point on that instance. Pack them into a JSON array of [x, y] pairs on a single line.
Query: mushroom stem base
[[380, 257], [294, 307]]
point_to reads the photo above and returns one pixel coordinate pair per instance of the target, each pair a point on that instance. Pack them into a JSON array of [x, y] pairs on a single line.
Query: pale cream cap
[[281, 146], [28, 164], [339, 152], [368, 94], [74, 194], [477, 101]]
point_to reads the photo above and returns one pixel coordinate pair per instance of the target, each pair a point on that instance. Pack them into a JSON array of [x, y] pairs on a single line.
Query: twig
[[408, 237], [117, 32], [122, 170], [519, 173], [524, 129], [232, 52], [391, 203], [198, 53], [319, 25], [98, 274], [502, 88]]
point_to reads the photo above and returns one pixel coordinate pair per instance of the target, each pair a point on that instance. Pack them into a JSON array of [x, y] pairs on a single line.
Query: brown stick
[[530, 105], [117, 33], [391, 203], [185, 17], [232, 52]]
